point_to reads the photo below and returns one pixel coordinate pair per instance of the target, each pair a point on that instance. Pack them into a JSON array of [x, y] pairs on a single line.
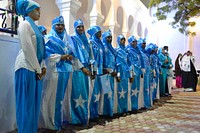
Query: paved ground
[[177, 114]]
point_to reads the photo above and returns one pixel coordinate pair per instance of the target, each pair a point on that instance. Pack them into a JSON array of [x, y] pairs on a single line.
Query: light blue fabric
[[123, 69], [163, 75], [140, 41], [157, 68], [146, 66], [39, 38], [94, 103], [63, 78], [106, 97], [55, 21], [150, 50], [111, 64], [80, 90], [121, 60], [99, 57], [23, 7], [80, 82], [42, 28], [122, 90], [98, 49], [81, 45], [57, 44], [109, 51], [93, 30], [135, 59], [28, 96]]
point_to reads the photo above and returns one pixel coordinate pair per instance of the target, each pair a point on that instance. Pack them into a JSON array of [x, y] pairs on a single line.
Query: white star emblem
[[83, 47], [65, 49], [134, 92], [147, 90], [122, 93], [79, 101], [97, 97], [109, 95]]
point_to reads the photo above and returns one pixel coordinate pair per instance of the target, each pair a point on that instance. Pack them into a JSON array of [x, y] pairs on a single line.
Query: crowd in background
[[186, 74]]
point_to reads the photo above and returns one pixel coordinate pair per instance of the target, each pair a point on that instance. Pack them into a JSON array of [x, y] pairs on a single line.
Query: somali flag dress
[[122, 86], [135, 59], [79, 104], [57, 79], [99, 57]]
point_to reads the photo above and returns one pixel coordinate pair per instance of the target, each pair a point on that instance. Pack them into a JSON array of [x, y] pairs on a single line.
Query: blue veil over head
[[23, 7], [55, 21], [118, 41]]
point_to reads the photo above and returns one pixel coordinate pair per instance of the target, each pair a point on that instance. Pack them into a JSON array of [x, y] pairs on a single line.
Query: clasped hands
[[40, 75], [66, 57]]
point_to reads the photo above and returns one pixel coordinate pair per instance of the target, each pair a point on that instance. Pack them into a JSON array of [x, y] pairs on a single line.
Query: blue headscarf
[[64, 37], [139, 43], [92, 32], [39, 39], [130, 40], [149, 48], [82, 41], [83, 37], [23, 7], [119, 44], [109, 46], [160, 50], [57, 20], [42, 28], [155, 48]]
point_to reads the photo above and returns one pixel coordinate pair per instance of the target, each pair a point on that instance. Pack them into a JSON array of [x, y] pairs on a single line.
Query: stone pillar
[[96, 17], [111, 22], [68, 9], [125, 28]]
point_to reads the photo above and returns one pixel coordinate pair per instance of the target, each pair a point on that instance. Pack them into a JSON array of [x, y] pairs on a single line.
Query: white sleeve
[[26, 36], [77, 65], [55, 58]]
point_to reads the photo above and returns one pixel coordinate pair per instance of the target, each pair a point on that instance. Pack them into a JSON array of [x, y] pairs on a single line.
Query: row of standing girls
[[62, 79]]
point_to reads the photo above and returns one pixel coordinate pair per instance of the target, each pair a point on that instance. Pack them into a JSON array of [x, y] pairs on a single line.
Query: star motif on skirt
[[79, 101], [97, 97], [134, 92], [147, 90], [122, 93]]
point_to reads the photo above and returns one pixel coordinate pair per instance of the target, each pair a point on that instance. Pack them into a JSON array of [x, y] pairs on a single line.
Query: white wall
[[8, 52]]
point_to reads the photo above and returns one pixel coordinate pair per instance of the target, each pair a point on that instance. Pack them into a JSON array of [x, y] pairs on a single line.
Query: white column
[[68, 9], [125, 28], [111, 22], [95, 15]]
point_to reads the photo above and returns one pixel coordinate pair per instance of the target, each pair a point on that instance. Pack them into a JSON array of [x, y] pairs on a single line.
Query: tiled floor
[[177, 114]]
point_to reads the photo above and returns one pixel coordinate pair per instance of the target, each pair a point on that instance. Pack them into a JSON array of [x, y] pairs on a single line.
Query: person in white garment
[[189, 75], [29, 67]]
